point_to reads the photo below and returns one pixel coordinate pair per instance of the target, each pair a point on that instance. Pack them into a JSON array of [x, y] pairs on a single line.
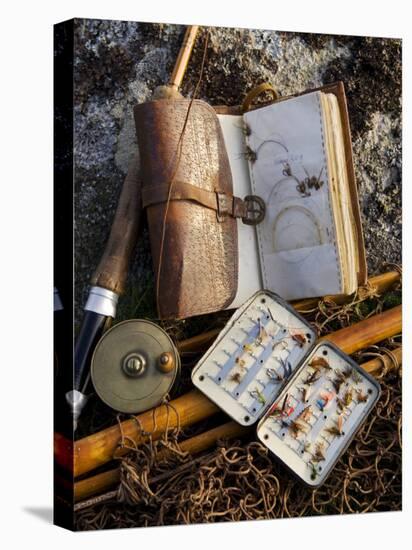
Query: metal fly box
[[318, 412], [310, 398], [253, 357]]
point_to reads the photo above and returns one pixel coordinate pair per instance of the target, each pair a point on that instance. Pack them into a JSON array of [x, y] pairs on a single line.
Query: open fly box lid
[[317, 414], [253, 357]]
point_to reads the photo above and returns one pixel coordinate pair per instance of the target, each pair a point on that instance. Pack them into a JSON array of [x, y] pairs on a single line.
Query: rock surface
[[118, 64]]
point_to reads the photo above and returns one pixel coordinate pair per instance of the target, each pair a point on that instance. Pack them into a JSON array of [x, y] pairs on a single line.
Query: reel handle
[[111, 273]]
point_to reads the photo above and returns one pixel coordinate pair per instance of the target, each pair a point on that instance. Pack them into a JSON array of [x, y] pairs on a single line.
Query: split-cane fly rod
[[109, 278]]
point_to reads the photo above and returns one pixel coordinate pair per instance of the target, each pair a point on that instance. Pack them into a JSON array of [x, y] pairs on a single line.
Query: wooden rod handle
[[183, 57], [111, 273], [97, 449]]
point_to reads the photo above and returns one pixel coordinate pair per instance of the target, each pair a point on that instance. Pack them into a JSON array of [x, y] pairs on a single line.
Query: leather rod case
[[199, 264]]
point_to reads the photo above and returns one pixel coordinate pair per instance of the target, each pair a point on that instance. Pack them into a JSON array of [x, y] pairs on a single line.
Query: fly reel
[[134, 365]]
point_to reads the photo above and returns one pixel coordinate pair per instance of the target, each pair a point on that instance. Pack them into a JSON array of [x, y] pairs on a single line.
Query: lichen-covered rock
[[118, 64]]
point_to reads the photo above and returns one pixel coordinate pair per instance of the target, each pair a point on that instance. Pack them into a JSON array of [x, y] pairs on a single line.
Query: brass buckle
[[255, 210]]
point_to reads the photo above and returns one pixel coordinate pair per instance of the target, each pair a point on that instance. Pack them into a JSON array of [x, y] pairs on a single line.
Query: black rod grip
[[90, 332]]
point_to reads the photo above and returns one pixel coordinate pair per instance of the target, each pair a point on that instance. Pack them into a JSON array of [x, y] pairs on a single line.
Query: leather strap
[[256, 92], [222, 203]]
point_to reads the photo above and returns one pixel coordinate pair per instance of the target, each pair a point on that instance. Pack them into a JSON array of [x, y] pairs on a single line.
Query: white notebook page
[[297, 242]]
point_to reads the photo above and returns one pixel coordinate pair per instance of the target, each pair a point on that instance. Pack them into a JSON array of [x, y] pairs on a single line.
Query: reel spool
[[134, 365]]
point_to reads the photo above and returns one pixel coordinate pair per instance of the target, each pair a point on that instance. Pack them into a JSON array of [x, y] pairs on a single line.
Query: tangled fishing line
[[239, 480]]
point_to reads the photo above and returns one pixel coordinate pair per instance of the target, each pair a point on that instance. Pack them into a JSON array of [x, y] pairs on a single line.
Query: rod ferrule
[[102, 301]]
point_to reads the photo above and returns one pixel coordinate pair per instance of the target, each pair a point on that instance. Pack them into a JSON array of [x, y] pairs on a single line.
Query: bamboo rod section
[[379, 284], [183, 57], [98, 449], [199, 342], [368, 332], [384, 362], [94, 485]]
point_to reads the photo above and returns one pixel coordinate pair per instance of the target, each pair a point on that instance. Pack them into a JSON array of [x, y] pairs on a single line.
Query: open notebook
[[292, 154]]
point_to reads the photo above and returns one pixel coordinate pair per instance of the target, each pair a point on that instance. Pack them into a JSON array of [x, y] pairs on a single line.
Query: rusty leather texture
[[199, 263], [111, 273]]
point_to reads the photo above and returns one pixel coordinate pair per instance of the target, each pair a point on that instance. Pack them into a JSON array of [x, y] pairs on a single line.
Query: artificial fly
[[273, 375], [262, 333], [285, 410], [239, 361], [314, 472], [258, 395], [305, 393], [275, 345], [295, 427], [236, 377], [356, 377], [336, 430], [299, 339], [250, 155], [287, 368], [346, 400], [305, 414], [361, 397], [312, 378], [319, 363], [319, 452], [248, 348], [347, 373], [338, 381], [325, 398]]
